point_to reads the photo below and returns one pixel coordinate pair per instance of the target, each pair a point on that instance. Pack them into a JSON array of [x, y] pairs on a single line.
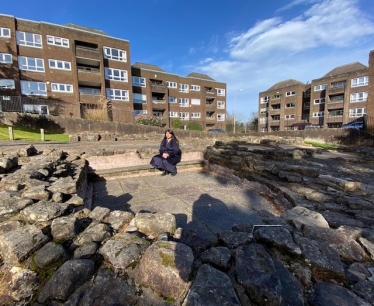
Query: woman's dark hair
[[172, 134]]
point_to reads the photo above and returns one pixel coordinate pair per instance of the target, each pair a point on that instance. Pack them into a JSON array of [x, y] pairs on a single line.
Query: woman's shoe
[[164, 173], [173, 174]]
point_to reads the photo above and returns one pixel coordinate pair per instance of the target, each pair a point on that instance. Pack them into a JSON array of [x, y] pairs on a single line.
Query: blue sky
[[250, 45]]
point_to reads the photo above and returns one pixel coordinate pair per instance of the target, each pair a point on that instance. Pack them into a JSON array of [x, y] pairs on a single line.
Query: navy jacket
[[172, 148]]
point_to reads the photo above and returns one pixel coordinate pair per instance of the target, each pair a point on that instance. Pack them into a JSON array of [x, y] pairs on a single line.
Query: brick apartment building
[[339, 97], [67, 70], [194, 98]]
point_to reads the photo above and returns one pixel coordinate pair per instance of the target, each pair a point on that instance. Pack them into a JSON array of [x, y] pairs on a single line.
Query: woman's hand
[[165, 155]]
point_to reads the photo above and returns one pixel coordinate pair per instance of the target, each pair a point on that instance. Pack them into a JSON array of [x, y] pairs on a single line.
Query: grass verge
[[326, 146], [28, 134]]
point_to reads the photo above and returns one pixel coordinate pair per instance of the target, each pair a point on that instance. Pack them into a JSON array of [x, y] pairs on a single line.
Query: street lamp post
[[235, 109]]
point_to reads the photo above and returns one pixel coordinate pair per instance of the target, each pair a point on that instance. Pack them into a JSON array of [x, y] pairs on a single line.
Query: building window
[[56, 87], [195, 115], [220, 117], [289, 117], [195, 88], [171, 84], [357, 112], [307, 93], [290, 93], [29, 39], [362, 81], [115, 54], [183, 87], [116, 74], [338, 84], [138, 81], [57, 41], [319, 101], [276, 96], [89, 91], [6, 58], [173, 114], [183, 102], [183, 116], [264, 110], [195, 101], [263, 120], [264, 99], [139, 98], [290, 105], [320, 87], [221, 104], [7, 84], [31, 63], [117, 94], [33, 88], [140, 112], [4, 32], [172, 99], [336, 113], [56, 64], [318, 114], [359, 97], [221, 92]]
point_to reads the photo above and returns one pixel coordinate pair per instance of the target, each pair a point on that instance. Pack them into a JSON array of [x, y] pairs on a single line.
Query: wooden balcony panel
[[335, 90], [89, 76], [158, 88]]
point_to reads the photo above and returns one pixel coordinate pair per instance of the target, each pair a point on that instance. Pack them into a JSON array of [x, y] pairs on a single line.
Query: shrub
[[176, 124], [96, 111], [194, 126], [146, 119]]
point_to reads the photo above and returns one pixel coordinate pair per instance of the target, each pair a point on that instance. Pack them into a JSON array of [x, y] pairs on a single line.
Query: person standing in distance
[[170, 154]]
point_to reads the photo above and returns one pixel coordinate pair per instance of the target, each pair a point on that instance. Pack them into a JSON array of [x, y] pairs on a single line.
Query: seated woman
[[169, 156]]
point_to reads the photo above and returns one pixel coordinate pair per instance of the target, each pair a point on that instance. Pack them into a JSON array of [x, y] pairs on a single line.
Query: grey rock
[[335, 220], [36, 193], [10, 206], [96, 232], [99, 213], [356, 272], [43, 211], [365, 290], [234, 239], [155, 224], [86, 251], [219, 257], [71, 275], [189, 237], [23, 284], [327, 294], [299, 216], [368, 244], [65, 185], [211, 287], [119, 219], [64, 228], [50, 253], [255, 271]]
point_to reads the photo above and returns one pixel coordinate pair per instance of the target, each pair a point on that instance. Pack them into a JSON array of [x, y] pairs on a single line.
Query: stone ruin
[[316, 247]]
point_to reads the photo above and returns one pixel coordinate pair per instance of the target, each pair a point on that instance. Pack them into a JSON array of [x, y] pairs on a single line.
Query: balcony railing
[[334, 90], [86, 52], [158, 88], [211, 118], [88, 69], [210, 92]]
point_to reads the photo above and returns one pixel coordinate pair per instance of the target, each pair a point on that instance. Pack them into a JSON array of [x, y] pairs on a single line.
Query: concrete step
[[141, 170]]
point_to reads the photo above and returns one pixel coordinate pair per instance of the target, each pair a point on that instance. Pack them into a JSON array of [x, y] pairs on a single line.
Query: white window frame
[[361, 81], [195, 101], [138, 81], [357, 112], [59, 65], [264, 110], [3, 32], [195, 115], [183, 88], [318, 114], [6, 58], [139, 98], [58, 87], [195, 88], [38, 66], [140, 111], [41, 89], [288, 117], [221, 92], [221, 104], [171, 84], [184, 115], [8, 84], [108, 54], [113, 74], [173, 114], [34, 42], [359, 97], [290, 105], [319, 101], [320, 87], [265, 99], [58, 41], [290, 93], [338, 84], [172, 99], [220, 117], [117, 94], [263, 120], [184, 102]]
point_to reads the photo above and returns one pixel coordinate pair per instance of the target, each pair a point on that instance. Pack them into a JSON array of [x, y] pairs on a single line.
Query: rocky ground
[[313, 246]]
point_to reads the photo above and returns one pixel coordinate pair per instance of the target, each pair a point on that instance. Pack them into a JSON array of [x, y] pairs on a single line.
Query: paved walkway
[[199, 200]]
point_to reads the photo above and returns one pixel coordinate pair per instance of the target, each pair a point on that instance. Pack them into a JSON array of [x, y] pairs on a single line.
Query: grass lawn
[[22, 133], [326, 146]]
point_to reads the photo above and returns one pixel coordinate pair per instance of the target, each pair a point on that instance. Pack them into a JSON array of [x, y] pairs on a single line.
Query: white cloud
[[328, 34]]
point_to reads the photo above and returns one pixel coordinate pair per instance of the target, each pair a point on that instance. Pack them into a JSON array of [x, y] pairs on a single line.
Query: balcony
[[210, 118], [86, 52], [275, 110], [158, 88], [210, 105], [210, 93], [89, 75], [335, 90]]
